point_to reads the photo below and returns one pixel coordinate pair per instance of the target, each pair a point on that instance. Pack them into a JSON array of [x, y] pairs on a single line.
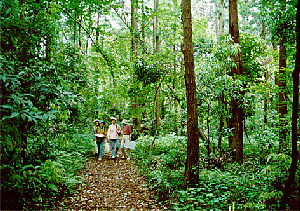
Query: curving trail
[[111, 184]]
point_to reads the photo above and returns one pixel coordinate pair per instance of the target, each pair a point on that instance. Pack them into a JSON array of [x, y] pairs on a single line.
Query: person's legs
[[125, 150], [112, 144], [96, 148], [117, 146], [101, 143], [122, 146]]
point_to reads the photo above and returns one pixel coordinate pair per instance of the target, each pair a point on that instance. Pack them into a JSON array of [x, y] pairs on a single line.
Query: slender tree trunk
[[266, 75], [221, 18], [134, 103], [222, 98], [237, 113], [177, 107], [295, 154], [155, 27], [208, 131], [97, 28], [281, 104], [79, 32], [221, 125], [217, 23], [143, 28], [191, 178], [156, 50], [24, 55], [48, 48], [281, 83], [74, 31], [266, 98]]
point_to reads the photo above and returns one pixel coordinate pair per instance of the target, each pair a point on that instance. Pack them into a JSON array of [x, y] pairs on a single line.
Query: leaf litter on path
[[110, 184]]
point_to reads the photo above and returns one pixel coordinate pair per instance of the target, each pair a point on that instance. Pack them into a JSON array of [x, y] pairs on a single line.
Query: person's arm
[[108, 133], [119, 129]]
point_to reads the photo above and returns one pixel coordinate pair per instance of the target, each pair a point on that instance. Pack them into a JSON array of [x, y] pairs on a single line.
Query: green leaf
[[14, 114], [7, 106], [53, 187]]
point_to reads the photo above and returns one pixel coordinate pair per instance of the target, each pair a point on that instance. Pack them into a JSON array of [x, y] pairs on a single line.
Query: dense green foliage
[[254, 185], [65, 63]]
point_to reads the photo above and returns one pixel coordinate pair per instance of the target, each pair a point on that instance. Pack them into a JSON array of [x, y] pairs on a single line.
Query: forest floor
[[110, 184]]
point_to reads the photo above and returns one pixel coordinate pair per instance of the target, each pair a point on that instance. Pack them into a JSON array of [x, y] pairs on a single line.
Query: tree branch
[[109, 60]]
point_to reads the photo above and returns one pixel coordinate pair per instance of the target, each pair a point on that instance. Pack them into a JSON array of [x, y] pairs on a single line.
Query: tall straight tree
[[237, 113], [221, 18], [222, 100], [191, 171], [156, 50], [292, 171], [134, 39], [281, 82]]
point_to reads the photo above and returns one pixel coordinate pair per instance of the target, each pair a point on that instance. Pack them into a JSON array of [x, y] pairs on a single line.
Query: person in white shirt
[[127, 131], [113, 133]]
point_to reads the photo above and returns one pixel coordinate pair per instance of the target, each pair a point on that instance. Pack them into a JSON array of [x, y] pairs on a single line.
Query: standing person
[[113, 133], [94, 137], [100, 134], [127, 132]]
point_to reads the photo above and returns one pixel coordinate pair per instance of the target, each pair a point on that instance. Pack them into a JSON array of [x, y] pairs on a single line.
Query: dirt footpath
[[111, 184]]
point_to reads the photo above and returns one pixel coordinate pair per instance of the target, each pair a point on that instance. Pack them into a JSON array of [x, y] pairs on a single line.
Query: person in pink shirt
[[127, 132], [113, 133]]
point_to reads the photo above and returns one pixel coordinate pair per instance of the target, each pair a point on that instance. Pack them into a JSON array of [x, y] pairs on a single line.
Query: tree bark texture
[[237, 113], [221, 18], [155, 27], [134, 101], [281, 104], [295, 154], [191, 171], [281, 82], [156, 50]]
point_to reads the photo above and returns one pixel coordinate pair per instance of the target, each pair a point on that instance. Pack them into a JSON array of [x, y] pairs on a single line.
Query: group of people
[[112, 135]]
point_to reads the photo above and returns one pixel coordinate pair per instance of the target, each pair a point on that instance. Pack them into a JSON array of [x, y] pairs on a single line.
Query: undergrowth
[[254, 185], [52, 170]]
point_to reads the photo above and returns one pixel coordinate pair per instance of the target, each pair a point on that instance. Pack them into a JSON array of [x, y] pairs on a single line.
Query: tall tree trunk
[[222, 98], [24, 56], [221, 125], [98, 26], [156, 50], [177, 107], [79, 32], [134, 100], [143, 29], [237, 113], [221, 18], [295, 154], [281, 104], [74, 31], [191, 177], [155, 27], [217, 19], [48, 48], [266, 75]]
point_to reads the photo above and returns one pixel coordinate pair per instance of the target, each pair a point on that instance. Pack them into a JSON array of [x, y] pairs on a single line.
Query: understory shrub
[[254, 185], [162, 164], [53, 173]]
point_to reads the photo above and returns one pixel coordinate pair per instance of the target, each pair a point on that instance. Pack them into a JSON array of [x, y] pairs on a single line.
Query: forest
[[209, 87]]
